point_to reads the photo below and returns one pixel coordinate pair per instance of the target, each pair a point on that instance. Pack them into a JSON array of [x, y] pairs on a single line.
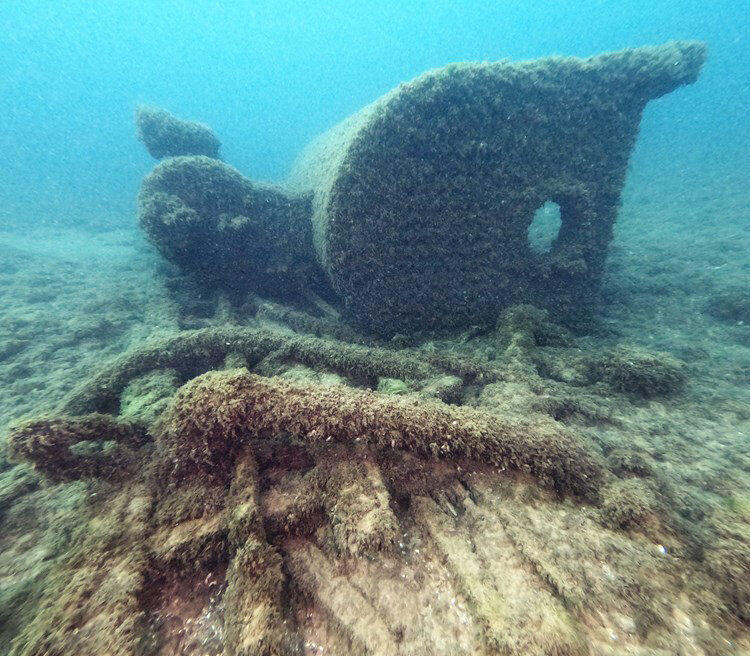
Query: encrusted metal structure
[[417, 207]]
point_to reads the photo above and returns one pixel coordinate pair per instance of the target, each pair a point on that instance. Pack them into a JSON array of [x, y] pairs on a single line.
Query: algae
[[269, 538]]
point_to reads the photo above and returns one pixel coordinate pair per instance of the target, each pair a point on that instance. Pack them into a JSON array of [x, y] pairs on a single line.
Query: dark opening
[[545, 227]]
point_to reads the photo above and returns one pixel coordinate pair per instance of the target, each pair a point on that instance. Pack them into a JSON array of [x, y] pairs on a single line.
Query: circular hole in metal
[[545, 227]]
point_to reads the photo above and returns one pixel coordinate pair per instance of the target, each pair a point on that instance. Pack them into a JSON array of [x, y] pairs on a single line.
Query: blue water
[[270, 75]]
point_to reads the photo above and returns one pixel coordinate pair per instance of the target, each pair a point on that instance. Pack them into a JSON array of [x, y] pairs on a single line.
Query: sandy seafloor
[[73, 299]]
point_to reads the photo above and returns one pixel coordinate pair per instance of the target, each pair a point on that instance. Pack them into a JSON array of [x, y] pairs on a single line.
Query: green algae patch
[[392, 386], [146, 397], [639, 372], [740, 505]]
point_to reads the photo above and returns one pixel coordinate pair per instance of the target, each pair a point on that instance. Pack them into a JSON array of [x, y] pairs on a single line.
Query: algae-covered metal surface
[[419, 205]]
